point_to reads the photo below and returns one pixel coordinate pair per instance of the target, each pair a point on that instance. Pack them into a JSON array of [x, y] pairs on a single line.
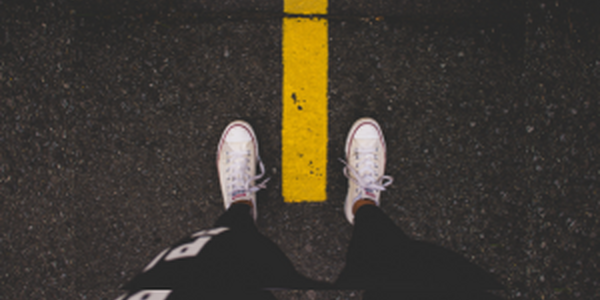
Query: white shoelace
[[367, 163], [238, 172]]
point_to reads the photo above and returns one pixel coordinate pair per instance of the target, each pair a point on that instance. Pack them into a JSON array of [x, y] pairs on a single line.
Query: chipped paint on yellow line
[[304, 120]]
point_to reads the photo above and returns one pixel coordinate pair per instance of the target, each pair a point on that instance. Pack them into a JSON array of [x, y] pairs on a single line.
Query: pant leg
[[237, 217], [233, 257], [260, 259], [395, 295], [382, 258]]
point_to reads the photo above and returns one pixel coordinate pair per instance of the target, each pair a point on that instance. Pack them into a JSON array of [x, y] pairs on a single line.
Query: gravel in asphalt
[[111, 112]]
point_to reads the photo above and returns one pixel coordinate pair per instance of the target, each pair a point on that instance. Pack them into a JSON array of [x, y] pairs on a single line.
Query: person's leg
[[237, 217], [259, 263], [395, 295], [373, 248], [365, 168], [229, 259], [233, 258], [380, 256], [255, 260]]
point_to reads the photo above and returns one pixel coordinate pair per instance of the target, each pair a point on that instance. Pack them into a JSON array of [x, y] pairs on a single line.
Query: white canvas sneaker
[[365, 164], [237, 157]]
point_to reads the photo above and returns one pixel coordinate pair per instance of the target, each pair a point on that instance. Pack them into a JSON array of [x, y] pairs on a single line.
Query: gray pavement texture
[[111, 112]]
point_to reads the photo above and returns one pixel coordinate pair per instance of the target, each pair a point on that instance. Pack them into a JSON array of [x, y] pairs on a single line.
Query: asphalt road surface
[[111, 112]]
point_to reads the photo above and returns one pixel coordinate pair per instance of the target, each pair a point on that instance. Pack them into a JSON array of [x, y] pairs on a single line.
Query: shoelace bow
[[366, 163], [240, 181]]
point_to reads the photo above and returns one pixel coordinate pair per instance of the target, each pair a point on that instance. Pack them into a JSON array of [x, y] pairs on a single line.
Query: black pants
[[388, 264], [234, 260]]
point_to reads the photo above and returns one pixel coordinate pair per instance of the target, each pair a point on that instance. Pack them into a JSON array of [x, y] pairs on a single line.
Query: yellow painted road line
[[305, 7], [304, 120]]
